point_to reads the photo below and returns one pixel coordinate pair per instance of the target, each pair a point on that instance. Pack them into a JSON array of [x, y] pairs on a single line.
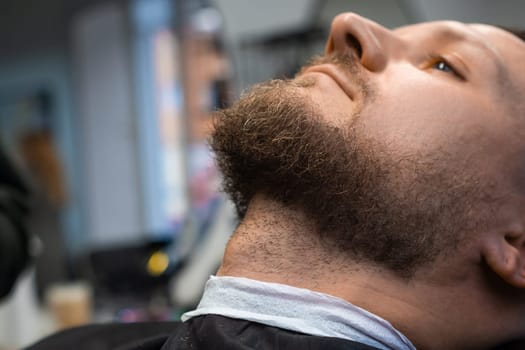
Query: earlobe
[[505, 255]]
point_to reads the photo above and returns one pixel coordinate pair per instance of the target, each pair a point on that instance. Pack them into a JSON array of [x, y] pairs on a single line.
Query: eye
[[442, 64]]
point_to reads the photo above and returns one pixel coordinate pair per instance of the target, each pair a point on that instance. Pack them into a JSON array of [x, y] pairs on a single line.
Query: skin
[[437, 85]]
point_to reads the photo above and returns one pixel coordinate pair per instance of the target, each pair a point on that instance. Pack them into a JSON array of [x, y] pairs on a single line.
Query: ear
[[505, 255]]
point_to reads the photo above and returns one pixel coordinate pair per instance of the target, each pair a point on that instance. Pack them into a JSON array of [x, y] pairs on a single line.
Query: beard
[[399, 212]]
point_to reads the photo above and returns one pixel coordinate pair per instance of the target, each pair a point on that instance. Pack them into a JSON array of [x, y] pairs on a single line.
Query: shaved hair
[[520, 33]]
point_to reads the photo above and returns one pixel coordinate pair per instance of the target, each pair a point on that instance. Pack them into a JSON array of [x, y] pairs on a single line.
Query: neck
[[278, 244]]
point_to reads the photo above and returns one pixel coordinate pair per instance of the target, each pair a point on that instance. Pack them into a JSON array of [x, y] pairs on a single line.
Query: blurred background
[[105, 107]]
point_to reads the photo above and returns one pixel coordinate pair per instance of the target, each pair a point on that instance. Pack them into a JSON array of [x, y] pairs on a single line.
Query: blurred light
[[129, 316], [158, 263], [207, 21]]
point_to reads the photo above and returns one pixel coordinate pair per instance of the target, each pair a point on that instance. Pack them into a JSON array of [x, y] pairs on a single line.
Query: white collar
[[297, 309]]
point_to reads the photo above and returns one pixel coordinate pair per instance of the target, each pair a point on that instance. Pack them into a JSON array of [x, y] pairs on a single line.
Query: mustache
[[349, 63]]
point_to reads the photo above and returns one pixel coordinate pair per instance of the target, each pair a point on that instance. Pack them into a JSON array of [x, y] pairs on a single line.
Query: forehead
[[493, 35]]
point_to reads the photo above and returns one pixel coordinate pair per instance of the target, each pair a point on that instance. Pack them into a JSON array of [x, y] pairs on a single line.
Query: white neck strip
[[297, 309]]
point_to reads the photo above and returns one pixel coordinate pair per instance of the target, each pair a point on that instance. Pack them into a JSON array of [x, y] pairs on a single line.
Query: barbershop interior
[[105, 111]]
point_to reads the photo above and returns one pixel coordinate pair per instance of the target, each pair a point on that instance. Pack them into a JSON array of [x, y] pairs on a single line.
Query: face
[[391, 141], [439, 84]]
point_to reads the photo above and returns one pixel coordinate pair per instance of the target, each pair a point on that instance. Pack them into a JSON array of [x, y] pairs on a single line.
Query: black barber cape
[[199, 333]]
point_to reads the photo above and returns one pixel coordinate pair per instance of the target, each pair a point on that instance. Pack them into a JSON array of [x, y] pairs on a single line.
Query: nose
[[372, 42]]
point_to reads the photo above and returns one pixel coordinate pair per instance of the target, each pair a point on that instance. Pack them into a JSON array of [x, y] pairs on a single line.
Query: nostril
[[353, 43]]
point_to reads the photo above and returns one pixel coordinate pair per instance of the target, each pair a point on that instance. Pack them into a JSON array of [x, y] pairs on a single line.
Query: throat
[[276, 243]]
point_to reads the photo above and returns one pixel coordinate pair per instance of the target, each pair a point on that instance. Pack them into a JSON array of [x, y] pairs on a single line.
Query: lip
[[339, 77]]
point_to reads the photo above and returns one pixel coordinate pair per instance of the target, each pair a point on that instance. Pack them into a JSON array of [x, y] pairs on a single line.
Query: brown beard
[[275, 142]]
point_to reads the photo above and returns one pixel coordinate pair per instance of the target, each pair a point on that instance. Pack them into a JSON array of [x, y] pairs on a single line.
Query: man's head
[[398, 143]]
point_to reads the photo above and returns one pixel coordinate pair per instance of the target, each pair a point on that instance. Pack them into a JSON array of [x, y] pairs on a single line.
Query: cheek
[[420, 123]]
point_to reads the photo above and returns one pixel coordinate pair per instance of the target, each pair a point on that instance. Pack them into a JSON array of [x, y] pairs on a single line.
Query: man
[[382, 200]]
